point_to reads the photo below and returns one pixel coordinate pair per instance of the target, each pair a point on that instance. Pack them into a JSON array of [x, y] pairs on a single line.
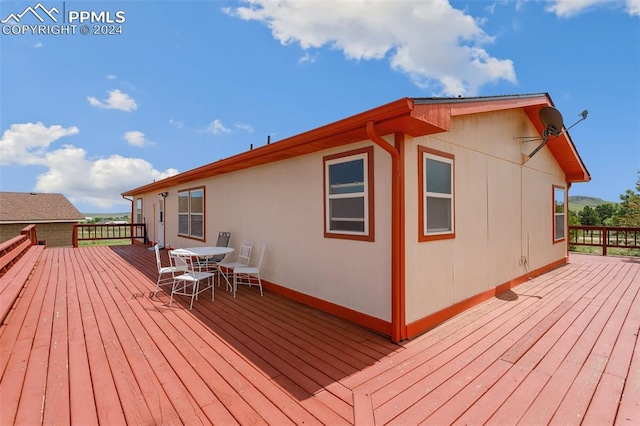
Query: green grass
[[611, 251], [121, 242]]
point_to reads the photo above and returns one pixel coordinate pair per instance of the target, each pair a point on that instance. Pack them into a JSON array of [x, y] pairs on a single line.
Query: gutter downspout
[[131, 201], [398, 329]]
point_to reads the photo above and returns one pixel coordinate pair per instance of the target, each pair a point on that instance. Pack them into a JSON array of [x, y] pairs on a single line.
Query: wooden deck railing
[[18, 258], [604, 237], [95, 232], [30, 232]]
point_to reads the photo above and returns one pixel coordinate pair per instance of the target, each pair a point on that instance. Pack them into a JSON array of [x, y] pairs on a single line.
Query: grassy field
[[108, 216], [579, 202], [122, 242], [611, 251]]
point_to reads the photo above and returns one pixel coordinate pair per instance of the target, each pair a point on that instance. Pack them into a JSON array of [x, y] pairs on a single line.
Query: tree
[[574, 218], [589, 217], [605, 213], [629, 211]]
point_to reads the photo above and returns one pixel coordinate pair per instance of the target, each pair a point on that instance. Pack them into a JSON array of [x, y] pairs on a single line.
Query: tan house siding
[[502, 212], [402, 282], [281, 205]]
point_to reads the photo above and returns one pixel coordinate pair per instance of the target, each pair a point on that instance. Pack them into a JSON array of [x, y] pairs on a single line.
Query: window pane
[[183, 224], [197, 225], [439, 215], [347, 214], [339, 225], [438, 176], [183, 202], [197, 205], [558, 195], [351, 208], [347, 177], [139, 210], [559, 226]]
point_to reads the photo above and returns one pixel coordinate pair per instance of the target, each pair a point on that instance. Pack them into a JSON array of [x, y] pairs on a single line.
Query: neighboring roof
[[26, 207], [412, 116]]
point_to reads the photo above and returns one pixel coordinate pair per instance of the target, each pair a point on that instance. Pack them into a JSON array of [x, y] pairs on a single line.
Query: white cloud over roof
[[70, 170], [436, 45]]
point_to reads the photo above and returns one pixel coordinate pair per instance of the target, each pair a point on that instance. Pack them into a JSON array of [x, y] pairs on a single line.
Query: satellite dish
[[553, 126], [552, 121]]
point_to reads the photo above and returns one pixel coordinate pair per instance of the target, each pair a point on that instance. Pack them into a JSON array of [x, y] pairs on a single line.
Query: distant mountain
[[578, 202]]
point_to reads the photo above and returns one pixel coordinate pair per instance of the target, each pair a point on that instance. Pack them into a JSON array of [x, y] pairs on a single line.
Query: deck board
[[86, 344]]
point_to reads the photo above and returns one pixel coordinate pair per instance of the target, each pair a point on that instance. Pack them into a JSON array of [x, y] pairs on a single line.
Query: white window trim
[[364, 194], [426, 195], [556, 214]]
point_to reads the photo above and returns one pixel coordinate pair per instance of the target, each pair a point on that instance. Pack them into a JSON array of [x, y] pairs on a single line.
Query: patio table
[[207, 252]]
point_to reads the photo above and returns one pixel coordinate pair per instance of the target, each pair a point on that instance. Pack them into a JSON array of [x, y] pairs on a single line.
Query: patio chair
[[222, 241], [211, 264], [244, 256], [186, 279], [248, 275], [165, 273]]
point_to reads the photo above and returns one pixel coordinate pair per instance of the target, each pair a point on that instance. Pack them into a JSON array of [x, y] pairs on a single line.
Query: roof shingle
[[37, 207]]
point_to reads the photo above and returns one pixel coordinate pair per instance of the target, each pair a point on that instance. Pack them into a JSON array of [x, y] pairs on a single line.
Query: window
[[138, 210], [436, 189], [559, 213], [348, 188], [191, 213]]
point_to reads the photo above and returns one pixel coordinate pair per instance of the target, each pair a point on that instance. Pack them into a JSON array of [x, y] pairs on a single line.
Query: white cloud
[[246, 127], [216, 127], [116, 100], [307, 57], [568, 8], [98, 182], [37, 45], [176, 123], [27, 143], [437, 46], [69, 170], [111, 77], [136, 138]]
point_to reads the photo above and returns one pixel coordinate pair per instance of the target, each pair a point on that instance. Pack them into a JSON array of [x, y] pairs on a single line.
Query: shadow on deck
[[85, 344]]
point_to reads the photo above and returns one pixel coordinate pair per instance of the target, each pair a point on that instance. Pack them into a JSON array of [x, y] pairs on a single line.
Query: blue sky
[[186, 83]]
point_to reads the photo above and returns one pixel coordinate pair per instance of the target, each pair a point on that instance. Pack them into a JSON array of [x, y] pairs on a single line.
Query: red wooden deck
[[85, 344]]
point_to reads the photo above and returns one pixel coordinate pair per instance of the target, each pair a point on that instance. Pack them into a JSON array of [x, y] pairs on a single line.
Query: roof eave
[[397, 116], [412, 116], [41, 221]]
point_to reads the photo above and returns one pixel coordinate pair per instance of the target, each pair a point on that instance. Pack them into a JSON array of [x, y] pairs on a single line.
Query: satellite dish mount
[[552, 121], [553, 126]]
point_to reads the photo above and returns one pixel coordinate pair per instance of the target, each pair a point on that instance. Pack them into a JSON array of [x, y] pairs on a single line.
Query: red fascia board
[[562, 148], [341, 132], [499, 104], [403, 115]]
